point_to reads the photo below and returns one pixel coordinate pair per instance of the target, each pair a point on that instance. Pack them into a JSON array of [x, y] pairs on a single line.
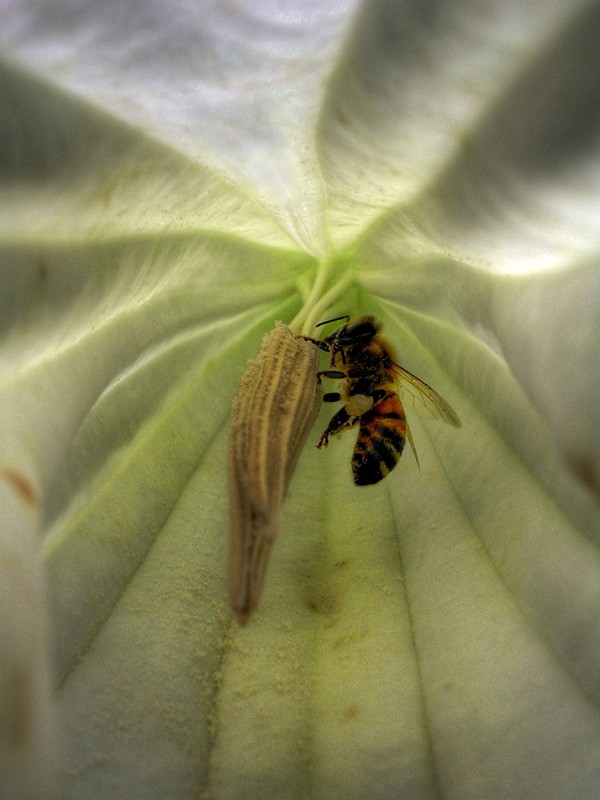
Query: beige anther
[[271, 417]]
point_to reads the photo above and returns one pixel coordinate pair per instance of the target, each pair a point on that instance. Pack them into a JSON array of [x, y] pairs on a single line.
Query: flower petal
[[234, 86], [419, 86], [72, 172], [521, 194]]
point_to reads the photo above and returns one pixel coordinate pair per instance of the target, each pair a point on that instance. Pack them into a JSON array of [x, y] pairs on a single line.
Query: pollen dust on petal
[[351, 712], [20, 485]]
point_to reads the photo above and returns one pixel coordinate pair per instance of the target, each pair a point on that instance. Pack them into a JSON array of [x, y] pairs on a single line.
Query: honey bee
[[364, 363]]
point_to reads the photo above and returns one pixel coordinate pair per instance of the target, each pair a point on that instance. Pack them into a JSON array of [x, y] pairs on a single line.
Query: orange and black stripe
[[380, 441]]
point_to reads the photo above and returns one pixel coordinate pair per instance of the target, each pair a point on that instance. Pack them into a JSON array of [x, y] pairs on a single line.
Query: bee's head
[[357, 331]]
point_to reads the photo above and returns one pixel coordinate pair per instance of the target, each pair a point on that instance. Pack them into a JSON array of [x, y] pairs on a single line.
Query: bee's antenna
[[335, 319]]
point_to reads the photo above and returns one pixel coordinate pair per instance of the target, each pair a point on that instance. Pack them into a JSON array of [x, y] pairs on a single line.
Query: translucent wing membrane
[[428, 396]]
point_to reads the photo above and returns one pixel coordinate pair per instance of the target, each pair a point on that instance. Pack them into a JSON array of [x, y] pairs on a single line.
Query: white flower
[[173, 178]]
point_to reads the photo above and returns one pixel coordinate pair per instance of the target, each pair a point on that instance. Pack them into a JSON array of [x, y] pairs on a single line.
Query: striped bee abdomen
[[380, 441]]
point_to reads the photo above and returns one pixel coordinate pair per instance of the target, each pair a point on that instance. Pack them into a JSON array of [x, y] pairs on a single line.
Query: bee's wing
[[430, 398]]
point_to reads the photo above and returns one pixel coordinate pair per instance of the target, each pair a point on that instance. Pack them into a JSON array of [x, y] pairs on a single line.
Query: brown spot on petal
[[586, 472], [351, 712], [21, 485]]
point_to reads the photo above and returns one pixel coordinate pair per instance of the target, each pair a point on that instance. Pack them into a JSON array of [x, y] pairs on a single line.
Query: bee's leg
[[323, 345], [330, 373], [358, 372], [338, 422]]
